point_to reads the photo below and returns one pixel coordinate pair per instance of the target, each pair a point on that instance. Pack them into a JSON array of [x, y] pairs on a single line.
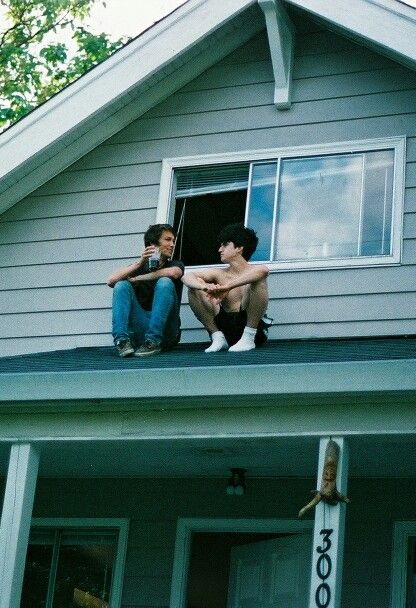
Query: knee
[[122, 287], [165, 285]]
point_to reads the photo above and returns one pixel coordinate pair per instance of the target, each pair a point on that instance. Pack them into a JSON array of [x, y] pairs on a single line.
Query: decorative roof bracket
[[281, 35]]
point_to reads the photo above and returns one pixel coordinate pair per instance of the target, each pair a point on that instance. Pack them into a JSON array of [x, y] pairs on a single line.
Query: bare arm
[[126, 272], [174, 272], [200, 280], [252, 274]]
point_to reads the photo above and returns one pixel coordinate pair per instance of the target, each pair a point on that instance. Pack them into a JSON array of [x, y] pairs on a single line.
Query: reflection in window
[[69, 568], [335, 206], [326, 207]]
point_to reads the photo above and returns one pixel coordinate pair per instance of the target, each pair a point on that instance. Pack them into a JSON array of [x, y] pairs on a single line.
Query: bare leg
[[255, 303], [205, 311]]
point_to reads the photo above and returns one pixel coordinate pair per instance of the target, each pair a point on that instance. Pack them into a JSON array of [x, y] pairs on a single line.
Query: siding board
[[304, 67], [316, 310], [99, 224], [102, 179], [80, 249], [84, 203], [60, 274], [313, 112], [269, 137], [307, 89]]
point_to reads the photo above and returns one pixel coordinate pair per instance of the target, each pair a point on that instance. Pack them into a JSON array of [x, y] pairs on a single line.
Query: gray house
[[177, 481]]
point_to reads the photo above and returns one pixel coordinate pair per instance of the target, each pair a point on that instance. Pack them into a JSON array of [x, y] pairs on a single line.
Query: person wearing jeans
[[146, 301]]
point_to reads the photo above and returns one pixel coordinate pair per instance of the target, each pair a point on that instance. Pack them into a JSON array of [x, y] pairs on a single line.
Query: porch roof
[[320, 366]]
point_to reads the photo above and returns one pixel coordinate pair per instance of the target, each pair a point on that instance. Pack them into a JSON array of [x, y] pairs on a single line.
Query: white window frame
[[96, 523], [402, 531], [398, 144]]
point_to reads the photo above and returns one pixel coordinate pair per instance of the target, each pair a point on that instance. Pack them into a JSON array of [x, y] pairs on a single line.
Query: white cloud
[[129, 17]]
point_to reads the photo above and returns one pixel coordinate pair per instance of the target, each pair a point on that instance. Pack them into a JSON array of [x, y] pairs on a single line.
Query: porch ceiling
[[370, 456]]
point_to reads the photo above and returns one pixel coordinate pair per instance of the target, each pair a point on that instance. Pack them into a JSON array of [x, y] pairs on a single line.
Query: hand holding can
[[154, 259]]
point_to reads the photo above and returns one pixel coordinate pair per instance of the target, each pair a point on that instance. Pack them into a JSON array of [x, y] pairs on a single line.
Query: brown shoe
[[124, 347], [148, 348]]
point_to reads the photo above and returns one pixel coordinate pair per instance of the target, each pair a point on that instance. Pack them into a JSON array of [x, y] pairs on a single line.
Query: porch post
[[15, 521], [328, 536]]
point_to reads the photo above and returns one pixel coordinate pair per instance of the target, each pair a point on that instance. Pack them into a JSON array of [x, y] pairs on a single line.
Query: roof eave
[[366, 21], [330, 378]]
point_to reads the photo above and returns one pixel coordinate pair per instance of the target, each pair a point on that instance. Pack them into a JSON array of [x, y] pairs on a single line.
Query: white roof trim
[[388, 24]]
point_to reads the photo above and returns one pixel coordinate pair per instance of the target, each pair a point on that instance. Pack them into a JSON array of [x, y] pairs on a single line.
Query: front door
[[271, 574]]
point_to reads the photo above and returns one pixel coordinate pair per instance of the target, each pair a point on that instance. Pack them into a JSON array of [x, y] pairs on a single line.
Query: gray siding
[[58, 245], [153, 508]]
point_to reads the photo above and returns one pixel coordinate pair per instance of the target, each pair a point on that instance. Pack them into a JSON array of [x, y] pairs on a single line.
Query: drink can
[[154, 259]]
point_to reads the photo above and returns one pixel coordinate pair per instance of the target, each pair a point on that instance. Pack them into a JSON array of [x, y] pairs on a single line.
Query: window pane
[[84, 573], [335, 206], [378, 200], [261, 207], [319, 207], [36, 578]]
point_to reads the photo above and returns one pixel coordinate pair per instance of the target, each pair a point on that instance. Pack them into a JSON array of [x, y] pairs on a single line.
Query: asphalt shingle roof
[[192, 355]]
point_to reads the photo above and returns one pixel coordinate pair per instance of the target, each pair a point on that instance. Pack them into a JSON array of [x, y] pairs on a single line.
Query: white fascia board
[[388, 24], [329, 378], [59, 118]]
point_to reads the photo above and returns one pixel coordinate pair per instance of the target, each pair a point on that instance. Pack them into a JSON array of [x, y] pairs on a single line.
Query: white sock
[[218, 342], [246, 342]]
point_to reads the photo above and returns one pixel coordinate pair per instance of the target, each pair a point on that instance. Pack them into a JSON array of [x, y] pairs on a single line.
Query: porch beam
[[280, 32], [328, 535], [15, 521]]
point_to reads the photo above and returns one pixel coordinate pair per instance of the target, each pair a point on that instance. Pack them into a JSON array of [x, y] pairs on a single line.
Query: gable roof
[[158, 62]]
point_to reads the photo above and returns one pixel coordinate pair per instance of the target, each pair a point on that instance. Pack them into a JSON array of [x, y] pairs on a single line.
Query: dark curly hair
[[154, 232], [241, 237]]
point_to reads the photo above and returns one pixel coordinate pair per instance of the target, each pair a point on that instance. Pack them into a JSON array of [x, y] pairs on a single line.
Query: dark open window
[[207, 199]]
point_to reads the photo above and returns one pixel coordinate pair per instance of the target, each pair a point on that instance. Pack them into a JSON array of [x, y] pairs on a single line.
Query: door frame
[[187, 526]]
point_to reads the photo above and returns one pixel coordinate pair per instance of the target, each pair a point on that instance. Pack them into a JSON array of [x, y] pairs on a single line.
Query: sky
[[128, 17]]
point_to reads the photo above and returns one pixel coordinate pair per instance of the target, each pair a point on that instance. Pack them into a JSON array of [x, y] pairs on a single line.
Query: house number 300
[[323, 570]]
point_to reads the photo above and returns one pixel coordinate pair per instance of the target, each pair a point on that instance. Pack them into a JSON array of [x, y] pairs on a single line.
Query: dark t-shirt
[[145, 289]]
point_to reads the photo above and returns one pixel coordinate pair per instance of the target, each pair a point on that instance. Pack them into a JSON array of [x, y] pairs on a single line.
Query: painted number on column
[[323, 570]]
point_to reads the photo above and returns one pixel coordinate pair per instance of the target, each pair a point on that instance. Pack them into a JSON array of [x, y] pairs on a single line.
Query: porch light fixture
[[237, 483]]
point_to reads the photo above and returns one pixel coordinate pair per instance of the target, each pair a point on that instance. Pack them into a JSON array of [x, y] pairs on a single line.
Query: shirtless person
[[231, 301]]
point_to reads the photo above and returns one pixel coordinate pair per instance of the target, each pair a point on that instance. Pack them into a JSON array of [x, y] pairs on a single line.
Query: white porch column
[[328, 537], [15, 521]]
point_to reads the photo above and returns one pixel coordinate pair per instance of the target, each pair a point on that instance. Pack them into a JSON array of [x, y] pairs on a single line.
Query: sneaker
[[147, 348], [124, 347]]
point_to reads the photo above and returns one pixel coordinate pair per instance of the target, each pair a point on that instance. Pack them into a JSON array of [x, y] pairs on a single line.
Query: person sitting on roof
[[146, 299], [230, 302]]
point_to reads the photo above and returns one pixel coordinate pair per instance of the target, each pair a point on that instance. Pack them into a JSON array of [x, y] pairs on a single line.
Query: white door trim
[[187, 526], [401, 532]]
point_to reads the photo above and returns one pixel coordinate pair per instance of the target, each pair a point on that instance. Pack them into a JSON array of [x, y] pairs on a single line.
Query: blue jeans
[[159, 325]]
